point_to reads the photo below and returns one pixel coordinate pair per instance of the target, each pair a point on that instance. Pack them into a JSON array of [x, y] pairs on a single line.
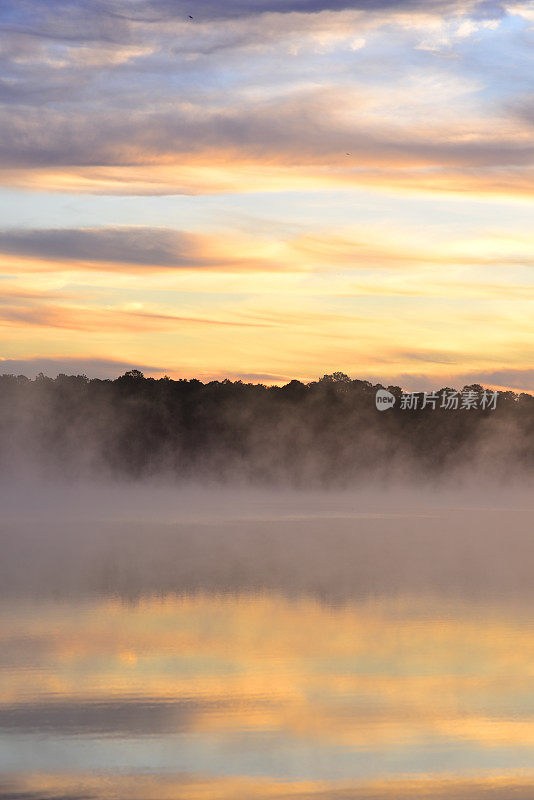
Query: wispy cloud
[[132, 249], [136, 246], [421, 125], [272, 104]]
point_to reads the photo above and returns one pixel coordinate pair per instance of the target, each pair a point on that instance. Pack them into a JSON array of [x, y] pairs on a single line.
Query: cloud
[[78, 21], [131, 248], [303, 128], [112, 20], [430, 356], [114, 97], [72, 121], [109, 320], [282, 143], [391, 248], [519, 380], [127, 245]]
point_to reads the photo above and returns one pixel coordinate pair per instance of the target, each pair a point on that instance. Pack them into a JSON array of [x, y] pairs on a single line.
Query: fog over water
[[195, 641], [142, 538]]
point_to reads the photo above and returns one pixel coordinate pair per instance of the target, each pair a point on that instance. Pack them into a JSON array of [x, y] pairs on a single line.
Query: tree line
[[327, 432]]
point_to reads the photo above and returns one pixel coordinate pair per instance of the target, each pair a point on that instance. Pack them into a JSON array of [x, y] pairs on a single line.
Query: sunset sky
[[273, 189]]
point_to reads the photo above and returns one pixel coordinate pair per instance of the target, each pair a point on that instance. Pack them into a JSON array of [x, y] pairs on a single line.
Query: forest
[[323, 433]]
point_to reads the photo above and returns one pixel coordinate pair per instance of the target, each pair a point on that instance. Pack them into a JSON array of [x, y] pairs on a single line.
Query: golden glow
[[139, 787], [441, 659], [377, 677], [226, 175], [363, 186]]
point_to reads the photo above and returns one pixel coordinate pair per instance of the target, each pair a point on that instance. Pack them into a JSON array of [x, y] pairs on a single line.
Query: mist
[[269, 588], [134, 539], [136, 487], [327, 434]]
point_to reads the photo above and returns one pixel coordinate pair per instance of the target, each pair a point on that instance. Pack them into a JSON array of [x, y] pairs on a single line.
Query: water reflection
[[326, 651], [263, 696]]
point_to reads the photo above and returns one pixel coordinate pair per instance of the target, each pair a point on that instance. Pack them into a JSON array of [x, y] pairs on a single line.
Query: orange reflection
[[369, 674]]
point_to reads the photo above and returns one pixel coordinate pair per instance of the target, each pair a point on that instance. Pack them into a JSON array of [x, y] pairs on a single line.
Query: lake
[[307, 650]]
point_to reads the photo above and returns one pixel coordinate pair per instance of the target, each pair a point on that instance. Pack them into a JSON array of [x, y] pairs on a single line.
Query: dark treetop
[[327, 432]]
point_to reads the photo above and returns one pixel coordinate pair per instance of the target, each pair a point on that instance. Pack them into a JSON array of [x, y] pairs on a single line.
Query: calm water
[[306, 657]]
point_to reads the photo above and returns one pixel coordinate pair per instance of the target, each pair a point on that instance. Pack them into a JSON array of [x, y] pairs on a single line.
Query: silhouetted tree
[[328, 431]]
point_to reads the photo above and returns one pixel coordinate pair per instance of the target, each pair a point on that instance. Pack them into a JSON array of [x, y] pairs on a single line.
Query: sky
[[268, 189]]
